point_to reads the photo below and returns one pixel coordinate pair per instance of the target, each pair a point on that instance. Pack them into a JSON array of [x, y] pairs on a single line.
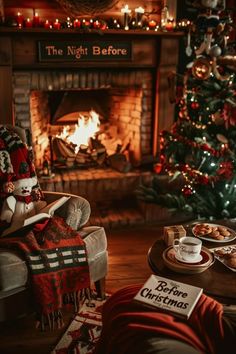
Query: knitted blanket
[[57, 263], [126, 324]]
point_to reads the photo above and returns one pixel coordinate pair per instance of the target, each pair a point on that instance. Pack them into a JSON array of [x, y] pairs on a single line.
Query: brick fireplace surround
[[139, 99]]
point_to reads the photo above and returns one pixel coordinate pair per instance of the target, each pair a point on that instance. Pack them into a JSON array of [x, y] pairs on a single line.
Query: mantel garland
[[86, 7]]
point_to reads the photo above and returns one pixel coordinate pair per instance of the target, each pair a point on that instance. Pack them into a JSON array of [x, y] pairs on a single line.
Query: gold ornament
[[201, 68]]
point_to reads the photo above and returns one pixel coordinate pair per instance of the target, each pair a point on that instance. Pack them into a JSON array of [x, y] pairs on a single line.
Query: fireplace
[[123, 101]]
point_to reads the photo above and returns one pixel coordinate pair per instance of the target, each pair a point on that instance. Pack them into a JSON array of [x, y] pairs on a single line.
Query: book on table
[[169, 295], [44, 213]]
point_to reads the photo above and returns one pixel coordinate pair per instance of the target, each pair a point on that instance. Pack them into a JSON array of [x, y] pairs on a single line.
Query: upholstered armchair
[[14, 278]]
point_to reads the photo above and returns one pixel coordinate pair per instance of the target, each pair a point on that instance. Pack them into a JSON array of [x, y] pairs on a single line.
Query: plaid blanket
[[57, 262]]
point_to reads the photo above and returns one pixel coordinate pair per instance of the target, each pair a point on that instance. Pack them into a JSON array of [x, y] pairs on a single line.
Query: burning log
[[62, 148]]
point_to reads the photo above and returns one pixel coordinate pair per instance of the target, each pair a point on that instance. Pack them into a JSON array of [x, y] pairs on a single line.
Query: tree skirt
[[84, 331]]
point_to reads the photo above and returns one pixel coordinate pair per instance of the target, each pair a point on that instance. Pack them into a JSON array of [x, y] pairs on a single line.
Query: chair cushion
[[13, 271]]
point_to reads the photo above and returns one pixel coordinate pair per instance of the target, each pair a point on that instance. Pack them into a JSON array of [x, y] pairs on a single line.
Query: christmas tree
[[200, 148]]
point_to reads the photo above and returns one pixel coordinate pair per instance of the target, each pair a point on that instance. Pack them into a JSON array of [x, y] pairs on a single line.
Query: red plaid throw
[[57, 261]]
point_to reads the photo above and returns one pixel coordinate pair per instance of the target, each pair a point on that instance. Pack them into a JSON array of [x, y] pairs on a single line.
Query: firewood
[[101, 158], [83, 148], [82, 157], [63, 148]]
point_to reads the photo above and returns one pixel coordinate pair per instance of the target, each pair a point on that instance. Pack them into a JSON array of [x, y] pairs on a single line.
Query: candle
[[47, 24], [19, 19], [36, 20], [77, 23], [152, 24], [57, 24], [96, 24], [126, 11], [28, 23], [170, 24], [139, 11]]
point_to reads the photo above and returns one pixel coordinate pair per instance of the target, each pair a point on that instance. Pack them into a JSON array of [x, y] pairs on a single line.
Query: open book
[[44, 213], [169, 295]]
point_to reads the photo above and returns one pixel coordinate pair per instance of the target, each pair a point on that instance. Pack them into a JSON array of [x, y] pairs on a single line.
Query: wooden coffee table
[[217, 281]]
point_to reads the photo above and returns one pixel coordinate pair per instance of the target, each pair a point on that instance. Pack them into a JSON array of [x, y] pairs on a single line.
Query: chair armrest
[[73, 205]]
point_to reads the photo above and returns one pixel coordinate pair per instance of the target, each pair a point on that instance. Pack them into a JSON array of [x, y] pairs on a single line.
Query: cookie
[[231, 262]]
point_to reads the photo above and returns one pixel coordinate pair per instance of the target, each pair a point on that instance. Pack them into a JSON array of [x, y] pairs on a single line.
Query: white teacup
[[188, 248]]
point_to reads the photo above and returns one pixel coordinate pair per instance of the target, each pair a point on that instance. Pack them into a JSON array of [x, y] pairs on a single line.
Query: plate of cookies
[[213, 232], [226, 255]]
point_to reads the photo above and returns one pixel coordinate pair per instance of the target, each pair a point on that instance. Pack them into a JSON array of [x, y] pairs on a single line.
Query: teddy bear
[[20, 194]]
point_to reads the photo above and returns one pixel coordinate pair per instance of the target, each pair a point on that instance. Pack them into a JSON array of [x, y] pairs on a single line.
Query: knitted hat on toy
[[16, 162]]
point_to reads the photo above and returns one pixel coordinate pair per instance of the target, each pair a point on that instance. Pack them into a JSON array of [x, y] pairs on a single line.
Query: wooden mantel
[[157, 51]]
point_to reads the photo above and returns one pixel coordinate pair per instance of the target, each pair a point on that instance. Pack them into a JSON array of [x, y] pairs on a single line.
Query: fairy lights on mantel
[[129, 19]]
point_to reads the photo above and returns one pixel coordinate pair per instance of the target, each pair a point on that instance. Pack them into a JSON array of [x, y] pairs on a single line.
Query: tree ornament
[[187, 190], [201, 68], [215, 51], [203, 179], [194, 105], [158, 167]]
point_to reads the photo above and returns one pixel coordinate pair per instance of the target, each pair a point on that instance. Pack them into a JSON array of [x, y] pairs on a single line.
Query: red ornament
[[203, 180], [194, 105], [187, 191], [158, 168]]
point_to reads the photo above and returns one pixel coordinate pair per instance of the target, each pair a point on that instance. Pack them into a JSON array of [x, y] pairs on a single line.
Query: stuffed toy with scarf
[[20, 194]]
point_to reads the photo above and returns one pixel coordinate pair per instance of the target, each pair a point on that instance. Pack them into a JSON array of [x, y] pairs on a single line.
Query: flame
[[86, 128]]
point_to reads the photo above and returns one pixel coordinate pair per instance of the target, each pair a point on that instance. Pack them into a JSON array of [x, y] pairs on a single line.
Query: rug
[[84, 331]]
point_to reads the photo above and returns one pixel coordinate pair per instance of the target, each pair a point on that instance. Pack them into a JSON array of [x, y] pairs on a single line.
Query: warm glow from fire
[[86, 128]]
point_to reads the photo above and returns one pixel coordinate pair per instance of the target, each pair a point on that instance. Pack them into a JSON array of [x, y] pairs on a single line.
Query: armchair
[[14, 280]]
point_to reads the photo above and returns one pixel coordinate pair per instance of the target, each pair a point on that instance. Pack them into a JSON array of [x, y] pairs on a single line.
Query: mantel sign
[[74, 51]]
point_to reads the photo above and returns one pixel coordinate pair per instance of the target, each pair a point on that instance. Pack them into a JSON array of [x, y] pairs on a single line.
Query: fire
[[86, 128]]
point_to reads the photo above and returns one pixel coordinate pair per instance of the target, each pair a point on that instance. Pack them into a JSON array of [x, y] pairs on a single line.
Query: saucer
[[180, 259], [173, 264]]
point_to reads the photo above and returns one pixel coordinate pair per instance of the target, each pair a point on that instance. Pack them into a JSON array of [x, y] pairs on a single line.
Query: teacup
[[188, 248]]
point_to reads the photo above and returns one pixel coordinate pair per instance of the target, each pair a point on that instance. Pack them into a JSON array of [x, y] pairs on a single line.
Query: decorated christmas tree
[[200, 149]]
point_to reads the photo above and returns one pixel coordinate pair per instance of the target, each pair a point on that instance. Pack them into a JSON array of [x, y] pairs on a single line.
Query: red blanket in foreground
[[57, 262], [125, 323]]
